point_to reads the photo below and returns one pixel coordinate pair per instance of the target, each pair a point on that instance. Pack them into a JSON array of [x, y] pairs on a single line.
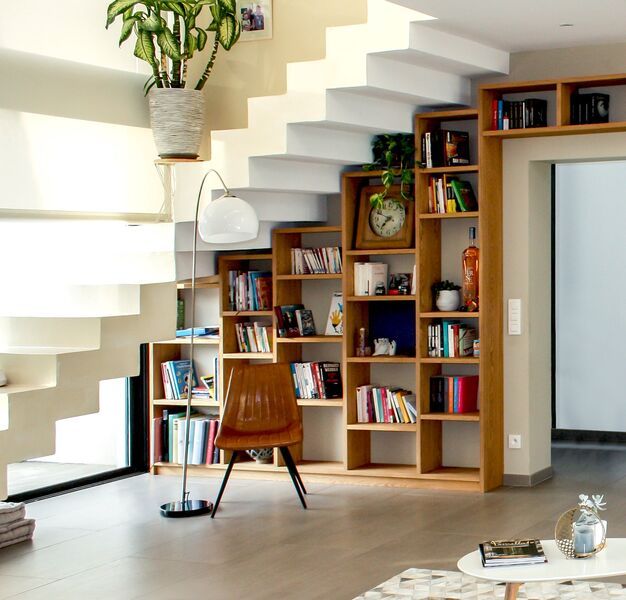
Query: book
[[180, 314], [464, 195], [456, 394], [496, 553], [370, 278], [317, 380], [177, 377], [306, 324], [210, 447], [249, 290], [334, 325], [288, 323], [385, 405], [456, 148], [306, 261], [157, 439]]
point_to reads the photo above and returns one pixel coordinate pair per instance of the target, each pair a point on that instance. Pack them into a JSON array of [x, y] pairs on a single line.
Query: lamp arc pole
[[186, 507]]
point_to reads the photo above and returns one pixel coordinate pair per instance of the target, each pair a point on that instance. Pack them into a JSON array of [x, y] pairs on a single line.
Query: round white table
[[610, 562]]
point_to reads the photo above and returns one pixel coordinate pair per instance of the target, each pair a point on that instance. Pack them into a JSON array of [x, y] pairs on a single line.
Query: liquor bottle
[[470, 273]]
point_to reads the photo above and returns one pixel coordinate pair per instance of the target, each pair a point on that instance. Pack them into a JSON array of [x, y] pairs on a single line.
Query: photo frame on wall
[[256, 19]]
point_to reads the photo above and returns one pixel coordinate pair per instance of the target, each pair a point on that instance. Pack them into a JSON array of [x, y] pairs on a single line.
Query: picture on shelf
[[287, 321], [306, 324], [334, 325], [255, 19]]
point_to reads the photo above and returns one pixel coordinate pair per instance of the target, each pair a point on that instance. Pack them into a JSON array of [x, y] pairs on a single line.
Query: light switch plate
[[515, 316]]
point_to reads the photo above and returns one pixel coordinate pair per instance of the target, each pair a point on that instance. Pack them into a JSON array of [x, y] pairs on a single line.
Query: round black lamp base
[[189, 508]]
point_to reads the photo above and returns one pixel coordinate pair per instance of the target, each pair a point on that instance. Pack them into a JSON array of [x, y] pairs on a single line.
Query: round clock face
[[388, 220]]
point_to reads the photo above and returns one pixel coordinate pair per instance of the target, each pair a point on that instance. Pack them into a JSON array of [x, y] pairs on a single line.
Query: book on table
[[507, 553]]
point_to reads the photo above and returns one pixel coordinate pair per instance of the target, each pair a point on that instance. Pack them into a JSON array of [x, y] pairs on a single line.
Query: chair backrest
[[260, 398]]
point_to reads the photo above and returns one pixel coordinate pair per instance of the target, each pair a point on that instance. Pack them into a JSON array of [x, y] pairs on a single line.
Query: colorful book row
[[385, 405], [451, 339], [453, 393], [315, 260], [168, 433], [175, 375], [250, 290], [450, 195], [317, 380], [253, 337]]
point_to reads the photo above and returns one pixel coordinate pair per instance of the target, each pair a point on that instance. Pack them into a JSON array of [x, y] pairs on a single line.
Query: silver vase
[[177, 120]]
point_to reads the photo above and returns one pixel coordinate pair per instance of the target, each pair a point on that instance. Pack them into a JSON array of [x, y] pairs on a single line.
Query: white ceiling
[[528, 24]]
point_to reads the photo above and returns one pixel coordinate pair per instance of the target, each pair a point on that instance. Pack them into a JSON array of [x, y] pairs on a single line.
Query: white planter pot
[[177, 121], [448, 300]]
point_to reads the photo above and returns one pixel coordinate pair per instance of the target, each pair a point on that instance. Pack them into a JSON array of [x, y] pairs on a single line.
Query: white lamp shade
[[227, 220]]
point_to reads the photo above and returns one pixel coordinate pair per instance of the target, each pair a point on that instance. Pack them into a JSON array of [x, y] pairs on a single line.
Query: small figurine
[[384, 347], [362, 349]]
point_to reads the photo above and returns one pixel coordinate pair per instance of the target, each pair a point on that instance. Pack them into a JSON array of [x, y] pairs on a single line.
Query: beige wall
[[258, 68]]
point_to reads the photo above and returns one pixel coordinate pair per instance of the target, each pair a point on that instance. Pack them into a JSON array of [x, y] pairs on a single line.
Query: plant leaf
[[144, 48], [175, 7], [117, 8], [212, 26], [152, 23], [229, 6], [228, 31], [127, 29], [190, 44], [202, 39], [167, 43]]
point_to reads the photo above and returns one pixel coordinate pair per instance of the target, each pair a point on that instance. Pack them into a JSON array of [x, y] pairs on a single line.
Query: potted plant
[[168, 35], [394, 154], [446, 295]]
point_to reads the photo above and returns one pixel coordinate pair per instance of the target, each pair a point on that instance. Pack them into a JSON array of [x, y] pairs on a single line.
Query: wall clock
[[389, 226]]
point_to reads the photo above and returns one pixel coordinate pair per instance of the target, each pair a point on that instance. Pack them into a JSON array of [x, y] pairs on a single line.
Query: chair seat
[[232, 439]]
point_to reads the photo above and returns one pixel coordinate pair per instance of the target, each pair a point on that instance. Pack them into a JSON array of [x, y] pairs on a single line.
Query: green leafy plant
[[395, 155], [444, 285], [168, 35]]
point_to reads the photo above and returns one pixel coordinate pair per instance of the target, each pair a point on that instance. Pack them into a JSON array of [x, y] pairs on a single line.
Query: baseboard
[[527, 480]]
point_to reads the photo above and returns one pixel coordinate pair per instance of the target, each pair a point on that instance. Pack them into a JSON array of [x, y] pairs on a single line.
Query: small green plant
[[172, 27], [444, 285], [395, 155]]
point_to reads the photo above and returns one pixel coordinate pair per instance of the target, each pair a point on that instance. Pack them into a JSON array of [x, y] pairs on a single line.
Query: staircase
[[72, 318]]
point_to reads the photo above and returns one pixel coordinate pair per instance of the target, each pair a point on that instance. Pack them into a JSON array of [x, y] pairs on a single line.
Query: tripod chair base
[[291, 467]]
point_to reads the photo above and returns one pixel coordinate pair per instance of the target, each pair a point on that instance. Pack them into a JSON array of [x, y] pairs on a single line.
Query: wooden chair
[[260, 412]]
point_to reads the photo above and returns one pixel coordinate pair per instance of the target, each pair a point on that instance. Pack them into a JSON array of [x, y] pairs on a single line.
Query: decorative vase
[[261, 455], [177, 121], [448, 300]]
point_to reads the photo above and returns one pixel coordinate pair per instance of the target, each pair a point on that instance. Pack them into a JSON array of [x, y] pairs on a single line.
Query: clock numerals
[[387, 220]]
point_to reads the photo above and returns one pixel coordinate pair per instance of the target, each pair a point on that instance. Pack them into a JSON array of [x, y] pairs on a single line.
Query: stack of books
[[251, 290], [445, 148], [450, 195], [305, 261], [385, 405], [253, 337], [206, 389], [211, 332], [168, 434], [450, 339], [317, 380], [453, 393], [519, 114], [508, 553], [175, 375]]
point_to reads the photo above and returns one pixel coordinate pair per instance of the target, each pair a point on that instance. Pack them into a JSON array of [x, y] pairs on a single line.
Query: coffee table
[[610, 562]]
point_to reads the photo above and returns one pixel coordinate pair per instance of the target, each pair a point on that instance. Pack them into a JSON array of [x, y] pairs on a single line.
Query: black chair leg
[[293, 472], [233, 458], [292, 465]]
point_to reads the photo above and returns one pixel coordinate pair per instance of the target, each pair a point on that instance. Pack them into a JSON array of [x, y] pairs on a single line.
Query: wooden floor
[[109, 542]]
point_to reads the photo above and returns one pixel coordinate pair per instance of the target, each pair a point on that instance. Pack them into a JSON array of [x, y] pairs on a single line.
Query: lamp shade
[[227, 220]]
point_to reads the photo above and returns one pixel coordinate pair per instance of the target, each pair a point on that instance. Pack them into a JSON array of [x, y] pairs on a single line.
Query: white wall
[[590, 292]]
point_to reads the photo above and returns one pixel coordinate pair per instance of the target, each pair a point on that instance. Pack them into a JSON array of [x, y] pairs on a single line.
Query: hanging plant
[[394, 154]]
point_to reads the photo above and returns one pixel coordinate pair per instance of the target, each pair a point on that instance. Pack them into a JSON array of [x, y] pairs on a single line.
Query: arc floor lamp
[[226, 220]]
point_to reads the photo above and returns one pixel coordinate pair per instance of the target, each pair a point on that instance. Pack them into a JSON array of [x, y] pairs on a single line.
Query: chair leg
[[292, 466], [233, 458], [293, 472]]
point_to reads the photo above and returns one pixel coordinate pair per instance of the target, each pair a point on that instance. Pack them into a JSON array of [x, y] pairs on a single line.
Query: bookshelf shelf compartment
[[308, 277], [405, 298], [473, 416], [457, 314], [383, 252], [451, 361], [381, 359], [473, 214], [248, 355], [410, 427], [195, 403], [441, 170], [247, 313], [311, 339], [322, 402]]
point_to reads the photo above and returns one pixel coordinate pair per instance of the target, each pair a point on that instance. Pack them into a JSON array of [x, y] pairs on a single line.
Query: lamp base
[[189, 508]]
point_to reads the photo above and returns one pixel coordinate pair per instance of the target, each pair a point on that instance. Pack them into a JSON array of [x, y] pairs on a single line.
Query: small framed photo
[[256, 20]]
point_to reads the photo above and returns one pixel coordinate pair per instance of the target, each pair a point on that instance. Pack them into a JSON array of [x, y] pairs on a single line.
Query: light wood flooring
[[109, 542]]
